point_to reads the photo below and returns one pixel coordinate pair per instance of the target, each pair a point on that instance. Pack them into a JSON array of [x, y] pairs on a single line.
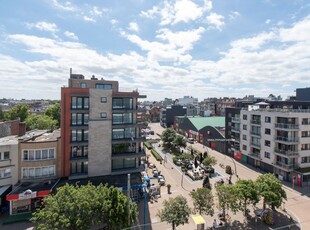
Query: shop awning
[[4, 188], [198, 219]]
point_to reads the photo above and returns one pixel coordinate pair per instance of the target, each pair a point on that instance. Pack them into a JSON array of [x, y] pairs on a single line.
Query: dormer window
[[83, 85]]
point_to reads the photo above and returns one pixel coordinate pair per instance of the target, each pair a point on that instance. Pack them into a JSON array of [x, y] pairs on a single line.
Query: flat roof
[[34, 186], [9, 140], [40, 136], [201, 122]]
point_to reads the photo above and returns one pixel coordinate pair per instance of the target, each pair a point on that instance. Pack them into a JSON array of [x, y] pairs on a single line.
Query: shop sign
[[28, 194]]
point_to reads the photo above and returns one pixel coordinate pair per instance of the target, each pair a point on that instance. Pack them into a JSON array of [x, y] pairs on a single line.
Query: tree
[[247, 193], [1, 113], [19, 111], [227, 199], [35, 121], [209, 161], [168, 137], [203, 201], [83, 207], [54, 111], [179, 142], [176, 211], [270, 188]]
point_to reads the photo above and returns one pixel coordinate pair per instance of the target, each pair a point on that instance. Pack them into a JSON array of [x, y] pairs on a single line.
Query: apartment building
[[99, 129], [277, 141], [168, 114]]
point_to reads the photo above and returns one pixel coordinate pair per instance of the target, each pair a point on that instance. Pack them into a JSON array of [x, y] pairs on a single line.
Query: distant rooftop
[[40, 136], [9, 140], [200, 122]]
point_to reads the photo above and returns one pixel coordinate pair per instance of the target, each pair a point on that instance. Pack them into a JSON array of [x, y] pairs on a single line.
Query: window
[[267, 131], [122, 118], [83, 85], [122, 103], [79, 135], [103, 86], [123, 163], [38, 172], [244, 147], [4, 173], [244, 137], [267, 143], [80, 167], [305, 147], [103, 99], [6, 155], [79, 102], [244, 127], [79, 119], [79, 151], [305, 121], [267, 119], [305, 160], [103, 115], [123, 133], [244, 117], [38, 154], [267, 155], [305, 134]]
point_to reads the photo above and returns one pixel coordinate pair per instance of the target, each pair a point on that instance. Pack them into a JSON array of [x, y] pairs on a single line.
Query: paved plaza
[[296, 205]]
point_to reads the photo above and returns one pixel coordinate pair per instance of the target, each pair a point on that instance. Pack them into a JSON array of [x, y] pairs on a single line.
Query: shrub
[[156, 155], [148, 145], [228, 170]]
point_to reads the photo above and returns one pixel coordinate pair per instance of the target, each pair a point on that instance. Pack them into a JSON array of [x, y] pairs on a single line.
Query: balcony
[[255, 134], [255, 155], [235, 129], [128, 154], [128, 140], [286, 139], [257, 145], [288, 153], [286, 126], [235, 119], [286, 167], [255, 122]]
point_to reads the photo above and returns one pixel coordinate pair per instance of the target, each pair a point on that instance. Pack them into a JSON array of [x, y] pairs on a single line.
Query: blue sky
[[172, 48]]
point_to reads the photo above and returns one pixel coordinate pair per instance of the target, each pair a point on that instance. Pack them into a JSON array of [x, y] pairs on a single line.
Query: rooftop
[[40, 136], [201, 122], [35, 186], [9, 140]]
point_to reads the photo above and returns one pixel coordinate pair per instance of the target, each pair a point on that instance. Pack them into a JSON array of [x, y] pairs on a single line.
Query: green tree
[[247, 193], [179, 142], [35, 121], [1, 113], [19, 111], [176, 211], [54, 111], [209, 161], [227, 199], [168, 137], [270, 188], [203, 201], [83, 207]]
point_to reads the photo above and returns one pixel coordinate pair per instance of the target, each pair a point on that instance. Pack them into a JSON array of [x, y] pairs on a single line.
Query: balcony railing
[[287, 139], [235, 129], [235, 119], [287, 167], [255, 122], [255, 144], [256, 134], [255, 155], [286, 152], [286, 126]]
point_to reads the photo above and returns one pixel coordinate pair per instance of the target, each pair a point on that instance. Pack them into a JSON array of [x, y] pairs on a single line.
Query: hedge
[[148, 145], [156, 155]]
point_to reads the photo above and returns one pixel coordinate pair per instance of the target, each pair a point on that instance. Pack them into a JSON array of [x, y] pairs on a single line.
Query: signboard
[[28, 194]]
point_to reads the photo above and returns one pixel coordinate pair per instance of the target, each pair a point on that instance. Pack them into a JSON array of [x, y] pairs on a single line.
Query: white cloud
[[216, 20], [88, 19], [43, 26], [113, 22], [71, 35], [133, 26], [66, 6], [233, 15], [173, 12], [268, 21]]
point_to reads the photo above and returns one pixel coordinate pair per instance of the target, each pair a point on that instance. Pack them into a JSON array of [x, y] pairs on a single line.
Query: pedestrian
[[214, 224]]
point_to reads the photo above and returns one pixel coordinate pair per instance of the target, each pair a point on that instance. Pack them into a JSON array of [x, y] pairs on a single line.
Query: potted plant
[[169, 187]]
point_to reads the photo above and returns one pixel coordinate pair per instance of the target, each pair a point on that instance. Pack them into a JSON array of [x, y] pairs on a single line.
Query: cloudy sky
[[171, 48]]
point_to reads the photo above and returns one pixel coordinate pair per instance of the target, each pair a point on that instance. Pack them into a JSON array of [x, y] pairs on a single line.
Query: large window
[[305, 134], [5, 155], [305, 121], [123, 133], [122, 118], [79, 167], [79, 151], [124, 148], [38, 154], [79, 119], [38, 172], [79, 135], [4, 173], [103, 86], [122, 103], [79, 103], [123, 163]]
